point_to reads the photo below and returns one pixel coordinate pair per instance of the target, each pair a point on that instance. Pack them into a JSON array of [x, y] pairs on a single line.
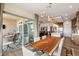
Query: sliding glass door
[[27, 30], [31, 28], [25, 33]]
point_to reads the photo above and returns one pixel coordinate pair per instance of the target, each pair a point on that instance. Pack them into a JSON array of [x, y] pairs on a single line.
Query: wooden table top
[[47, 45]]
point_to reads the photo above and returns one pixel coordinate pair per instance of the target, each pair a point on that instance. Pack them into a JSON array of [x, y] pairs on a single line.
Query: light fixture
[[70, 6], [55, 25], [42, 14], [54, 3], [26, 19], [66, 14], [49, 18], [66, 18], [50, 5], [78, 31]]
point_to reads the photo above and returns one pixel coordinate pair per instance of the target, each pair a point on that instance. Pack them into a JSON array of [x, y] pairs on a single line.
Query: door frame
[[1, 28], [28, 28]]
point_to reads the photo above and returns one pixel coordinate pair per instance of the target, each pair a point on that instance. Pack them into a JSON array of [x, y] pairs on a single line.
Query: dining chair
[[36, 39], [38, 53], [57, 52], [15, 41], [43, 37], [56, 34]]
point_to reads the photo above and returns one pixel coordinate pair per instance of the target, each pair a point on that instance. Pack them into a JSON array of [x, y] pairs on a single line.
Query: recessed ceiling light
[[43, 12], [66, 18], [70, 6], [58, 17], [66, 14], [41, 16], [54, 3]]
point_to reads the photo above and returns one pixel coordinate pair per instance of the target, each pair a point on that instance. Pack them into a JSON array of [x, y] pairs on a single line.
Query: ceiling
[[61, 11]]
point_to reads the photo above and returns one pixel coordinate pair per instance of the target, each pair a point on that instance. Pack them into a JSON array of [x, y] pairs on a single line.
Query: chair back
[[36, 39], [16, 37], [56, 34], [43, 37], [57, 52]]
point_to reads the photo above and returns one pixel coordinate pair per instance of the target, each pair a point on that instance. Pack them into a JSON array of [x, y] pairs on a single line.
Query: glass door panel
[[27, 31], [31, 32], [25, 34]]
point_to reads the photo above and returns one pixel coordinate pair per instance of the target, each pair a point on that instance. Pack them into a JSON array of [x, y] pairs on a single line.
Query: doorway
[[27, 29], [12, 40], [31, 31]]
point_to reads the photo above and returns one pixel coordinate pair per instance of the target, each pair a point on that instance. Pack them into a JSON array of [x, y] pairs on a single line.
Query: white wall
[[11, 26], [67, 28]]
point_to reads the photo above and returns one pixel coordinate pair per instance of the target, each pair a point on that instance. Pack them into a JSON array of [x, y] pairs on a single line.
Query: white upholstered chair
[[59, 49], [56, 34], [57, 52], [36, 39], [43, 37]]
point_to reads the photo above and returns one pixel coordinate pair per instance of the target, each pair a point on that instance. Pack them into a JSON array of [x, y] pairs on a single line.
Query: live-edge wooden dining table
[[47, 45]]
